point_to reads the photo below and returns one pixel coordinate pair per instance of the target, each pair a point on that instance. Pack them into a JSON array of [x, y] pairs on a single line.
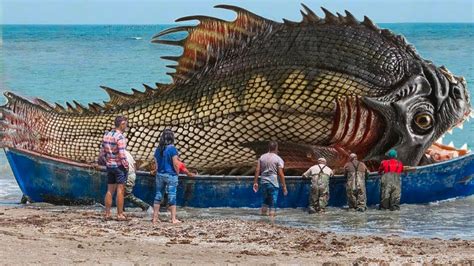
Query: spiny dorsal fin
[[59, 108], [211, 39], [44, 104], [149, 90], [117, 98], [329, 17], [70, 108], [309, 17], [137, 93], [80, 108], [370, 24], [350, 19], [95, 107]]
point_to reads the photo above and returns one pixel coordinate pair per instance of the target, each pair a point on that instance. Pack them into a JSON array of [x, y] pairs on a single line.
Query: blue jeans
[[168, 183], [270, 195]]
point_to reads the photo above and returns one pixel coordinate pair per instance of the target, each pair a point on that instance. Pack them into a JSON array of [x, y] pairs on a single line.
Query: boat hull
[[46, 179]]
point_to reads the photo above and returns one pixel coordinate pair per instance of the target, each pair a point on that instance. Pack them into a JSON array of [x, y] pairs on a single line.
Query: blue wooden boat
[[52, 180]]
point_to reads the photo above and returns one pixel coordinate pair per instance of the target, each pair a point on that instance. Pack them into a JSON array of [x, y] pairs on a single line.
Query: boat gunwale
[[372, 175]]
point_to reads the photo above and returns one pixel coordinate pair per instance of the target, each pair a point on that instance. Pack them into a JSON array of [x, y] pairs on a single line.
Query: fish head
[[429, 103]]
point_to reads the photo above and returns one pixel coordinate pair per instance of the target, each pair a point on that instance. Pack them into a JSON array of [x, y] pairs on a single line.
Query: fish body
[[322, 87]]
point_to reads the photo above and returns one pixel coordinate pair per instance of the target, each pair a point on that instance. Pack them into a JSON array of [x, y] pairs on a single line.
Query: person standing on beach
[[319, 194], [269, 167], [167, 165], [182, 171], [390, 182], [356, 172], [131, 177], [112, 152]]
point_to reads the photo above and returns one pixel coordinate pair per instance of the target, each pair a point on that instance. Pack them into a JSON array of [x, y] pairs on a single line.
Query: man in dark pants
[[112, 152], [356, 172], [390, 182], [319, 194]]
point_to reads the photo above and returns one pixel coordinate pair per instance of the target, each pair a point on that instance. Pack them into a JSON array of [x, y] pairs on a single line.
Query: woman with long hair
[[167, 165]]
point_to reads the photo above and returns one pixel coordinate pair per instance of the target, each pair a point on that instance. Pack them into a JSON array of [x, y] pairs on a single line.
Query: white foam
[[9, 189]]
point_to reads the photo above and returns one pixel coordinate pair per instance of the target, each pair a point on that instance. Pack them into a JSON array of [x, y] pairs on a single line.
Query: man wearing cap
[[319, 194], [112, 152], [390, 182], [356, 172]]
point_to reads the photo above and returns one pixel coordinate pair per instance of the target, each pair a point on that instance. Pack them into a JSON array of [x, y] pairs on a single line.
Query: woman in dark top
[[167, 165]]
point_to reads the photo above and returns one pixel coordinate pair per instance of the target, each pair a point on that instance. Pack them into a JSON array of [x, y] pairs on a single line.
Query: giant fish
[[321, 87]]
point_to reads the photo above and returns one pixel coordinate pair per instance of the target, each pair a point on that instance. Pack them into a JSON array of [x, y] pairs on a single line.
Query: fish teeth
[[471, 114], [464, 146], [440, 140], [450, 131], [460, 126], [451, 144]]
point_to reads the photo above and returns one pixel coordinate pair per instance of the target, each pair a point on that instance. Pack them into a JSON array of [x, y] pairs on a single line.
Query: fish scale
[[216, 103], [238, 85]]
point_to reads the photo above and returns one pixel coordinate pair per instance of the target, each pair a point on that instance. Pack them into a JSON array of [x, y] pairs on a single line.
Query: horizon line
[[175, 23]]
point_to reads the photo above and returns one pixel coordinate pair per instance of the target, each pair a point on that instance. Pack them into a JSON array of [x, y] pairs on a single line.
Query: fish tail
[[37, 126]]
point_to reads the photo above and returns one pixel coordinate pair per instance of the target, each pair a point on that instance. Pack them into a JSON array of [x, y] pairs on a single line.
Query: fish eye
[[424, 121]]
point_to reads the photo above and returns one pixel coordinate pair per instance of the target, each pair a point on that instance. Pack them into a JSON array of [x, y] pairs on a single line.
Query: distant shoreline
[[171, 24]]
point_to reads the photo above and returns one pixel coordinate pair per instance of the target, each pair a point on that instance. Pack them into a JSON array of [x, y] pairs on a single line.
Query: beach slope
[[64, 236]]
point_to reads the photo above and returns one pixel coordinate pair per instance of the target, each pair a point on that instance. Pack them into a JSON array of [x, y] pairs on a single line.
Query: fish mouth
[[377, 141], [439, 151]]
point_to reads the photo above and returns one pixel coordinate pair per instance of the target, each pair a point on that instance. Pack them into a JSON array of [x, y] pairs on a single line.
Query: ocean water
[[444, 219], [64, 63]]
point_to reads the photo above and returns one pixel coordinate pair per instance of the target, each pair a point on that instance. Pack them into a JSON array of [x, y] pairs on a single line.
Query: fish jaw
[[427, 94], [357, 128]]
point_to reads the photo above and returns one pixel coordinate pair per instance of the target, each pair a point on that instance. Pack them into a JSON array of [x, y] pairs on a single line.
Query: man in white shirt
[[131, 183], [319, 195]]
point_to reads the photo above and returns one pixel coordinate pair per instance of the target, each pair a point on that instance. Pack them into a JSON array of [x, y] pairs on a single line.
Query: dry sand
[[52, 236]]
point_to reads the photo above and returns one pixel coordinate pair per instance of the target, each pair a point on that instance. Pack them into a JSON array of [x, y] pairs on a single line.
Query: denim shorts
[[270, 195], [116, 175], [166, 183]]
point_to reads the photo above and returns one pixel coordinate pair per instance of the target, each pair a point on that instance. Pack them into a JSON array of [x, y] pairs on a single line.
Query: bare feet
[[122, 217], [108, 217], [155, 220], [176, 221]]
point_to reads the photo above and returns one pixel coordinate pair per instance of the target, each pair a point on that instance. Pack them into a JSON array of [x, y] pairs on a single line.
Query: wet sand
[[51, 235]]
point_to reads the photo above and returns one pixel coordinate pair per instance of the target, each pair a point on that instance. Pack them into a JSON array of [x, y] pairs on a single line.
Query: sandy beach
[[51, 235]]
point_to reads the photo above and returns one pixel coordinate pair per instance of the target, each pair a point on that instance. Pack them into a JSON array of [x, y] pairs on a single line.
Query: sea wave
[[9, 191]]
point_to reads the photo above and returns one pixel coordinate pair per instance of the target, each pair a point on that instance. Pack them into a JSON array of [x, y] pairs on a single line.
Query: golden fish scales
[[215, 129]]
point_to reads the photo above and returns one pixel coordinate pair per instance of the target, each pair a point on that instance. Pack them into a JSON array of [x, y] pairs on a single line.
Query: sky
[[166, 11]]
